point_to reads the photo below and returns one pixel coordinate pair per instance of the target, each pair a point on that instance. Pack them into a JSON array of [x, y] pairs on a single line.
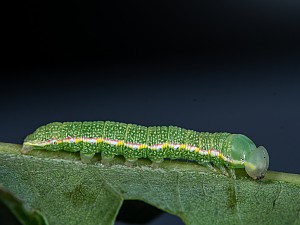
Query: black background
[[203, 65]]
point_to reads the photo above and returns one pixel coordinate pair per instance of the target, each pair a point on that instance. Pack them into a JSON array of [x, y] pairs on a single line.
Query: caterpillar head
[[257, 163], [246, 154], [30, 143]]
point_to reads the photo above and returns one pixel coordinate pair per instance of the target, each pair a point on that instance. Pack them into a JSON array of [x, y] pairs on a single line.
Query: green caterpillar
[[221, 150]]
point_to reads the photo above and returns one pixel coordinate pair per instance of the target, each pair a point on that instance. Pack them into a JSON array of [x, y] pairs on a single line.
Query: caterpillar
[[222, 151]]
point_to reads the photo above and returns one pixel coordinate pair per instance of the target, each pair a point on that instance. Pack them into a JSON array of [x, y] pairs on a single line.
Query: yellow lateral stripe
[[142, 146], [165, 145], [182, 146], [120, 143], [154, 147], [221, 156]]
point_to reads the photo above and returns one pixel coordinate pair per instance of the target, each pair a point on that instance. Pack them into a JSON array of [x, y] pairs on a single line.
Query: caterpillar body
[[215, 150]]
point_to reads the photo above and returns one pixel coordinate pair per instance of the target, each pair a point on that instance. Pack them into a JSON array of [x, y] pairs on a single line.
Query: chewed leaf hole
[[139, 212]]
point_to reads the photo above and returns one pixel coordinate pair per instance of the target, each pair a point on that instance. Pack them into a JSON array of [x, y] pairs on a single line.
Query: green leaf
[[15, 205], [66, 191]]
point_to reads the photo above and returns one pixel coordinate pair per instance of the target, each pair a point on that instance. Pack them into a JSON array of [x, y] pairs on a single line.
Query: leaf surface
[[66, 191]]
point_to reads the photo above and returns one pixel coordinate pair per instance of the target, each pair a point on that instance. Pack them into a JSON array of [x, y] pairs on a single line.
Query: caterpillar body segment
[[215, 150]]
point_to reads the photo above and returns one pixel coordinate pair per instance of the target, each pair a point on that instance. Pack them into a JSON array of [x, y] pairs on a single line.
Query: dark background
[[203, 65]]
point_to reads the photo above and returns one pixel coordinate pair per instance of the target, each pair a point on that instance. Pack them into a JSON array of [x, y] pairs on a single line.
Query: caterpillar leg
[[214, 168], [156, 163], [86, 157], [209, 166], [106, 159], [232, 173], [25, 149], [131, 156], [157, 157], [223, 170], [130, 162]]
